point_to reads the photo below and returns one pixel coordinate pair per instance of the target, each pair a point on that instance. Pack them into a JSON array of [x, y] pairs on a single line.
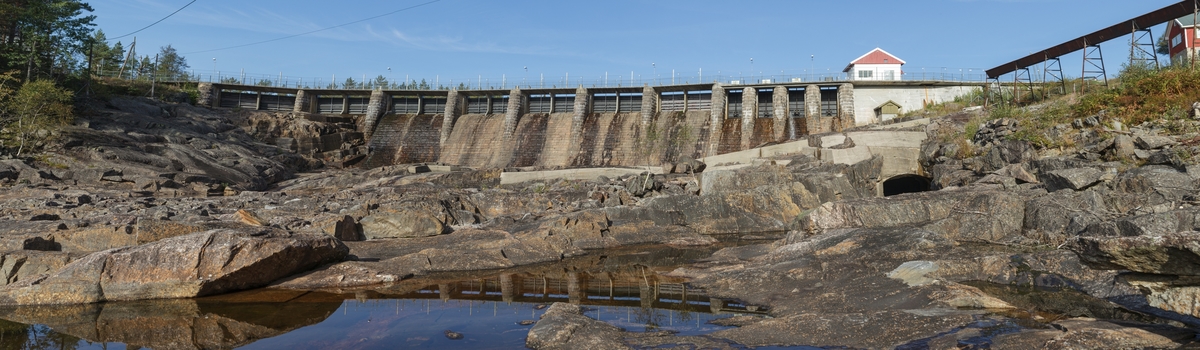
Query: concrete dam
[[606, 126]]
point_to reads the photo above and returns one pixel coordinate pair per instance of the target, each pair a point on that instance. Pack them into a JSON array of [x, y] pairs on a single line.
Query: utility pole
[[128, 56], [153, 76], [87, 84]]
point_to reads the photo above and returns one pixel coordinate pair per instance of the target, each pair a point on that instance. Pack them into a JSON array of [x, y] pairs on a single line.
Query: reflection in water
[[491, 311], [164, 324]]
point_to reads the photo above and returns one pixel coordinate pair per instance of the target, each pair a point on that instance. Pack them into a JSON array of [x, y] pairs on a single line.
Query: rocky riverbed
[[1088, 249]]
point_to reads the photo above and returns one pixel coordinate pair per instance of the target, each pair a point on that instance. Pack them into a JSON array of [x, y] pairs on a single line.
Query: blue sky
[[457, 40]]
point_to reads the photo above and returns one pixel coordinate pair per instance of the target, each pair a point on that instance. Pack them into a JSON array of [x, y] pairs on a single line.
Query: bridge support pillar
[[516, 101], [649, 105], [749, 113], [716, 119], [207, 96], [449, 116], [812, 101], [375, 110], [779, 102], [258, 100], [345, 104], [302, 102], [845, 106]]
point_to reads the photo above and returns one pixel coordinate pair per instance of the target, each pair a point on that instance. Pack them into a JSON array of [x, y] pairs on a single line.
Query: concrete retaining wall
[[867, 98]]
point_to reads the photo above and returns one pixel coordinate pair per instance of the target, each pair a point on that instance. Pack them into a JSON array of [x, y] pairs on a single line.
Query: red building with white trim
[[875, 65], [1182, 38]]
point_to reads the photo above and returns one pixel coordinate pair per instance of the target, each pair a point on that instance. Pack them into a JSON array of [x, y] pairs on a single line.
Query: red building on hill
[[1182, 38]]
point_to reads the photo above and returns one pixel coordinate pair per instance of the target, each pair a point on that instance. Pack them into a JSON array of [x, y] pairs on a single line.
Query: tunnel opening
[[906, 184]]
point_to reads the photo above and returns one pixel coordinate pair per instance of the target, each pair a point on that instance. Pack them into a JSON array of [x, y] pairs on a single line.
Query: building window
[[864, 74], [1176, 40]]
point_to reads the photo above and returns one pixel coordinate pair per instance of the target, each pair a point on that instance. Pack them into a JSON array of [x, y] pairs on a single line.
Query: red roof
[[876, 56]]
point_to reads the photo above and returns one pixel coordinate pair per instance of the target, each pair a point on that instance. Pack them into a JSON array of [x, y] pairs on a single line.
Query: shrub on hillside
[[1145, 94], [30, 112]]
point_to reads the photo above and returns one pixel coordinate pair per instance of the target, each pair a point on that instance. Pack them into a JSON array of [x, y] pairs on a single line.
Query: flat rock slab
[[1086, 333], [1172, 254], [564, 326], [1075, 179], [199, 264], [1153, 142]]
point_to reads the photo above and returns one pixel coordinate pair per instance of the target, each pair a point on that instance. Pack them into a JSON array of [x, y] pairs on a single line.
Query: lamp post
[[215, 68], [811, 60], [751, 66], [652, 65], [390, 82], [526, 75]]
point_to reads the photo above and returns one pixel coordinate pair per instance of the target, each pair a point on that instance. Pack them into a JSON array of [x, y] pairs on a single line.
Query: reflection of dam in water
[[624, 287], [601, 289]]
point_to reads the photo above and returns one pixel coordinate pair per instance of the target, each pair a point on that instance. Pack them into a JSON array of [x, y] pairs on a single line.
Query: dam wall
[[581, 127]]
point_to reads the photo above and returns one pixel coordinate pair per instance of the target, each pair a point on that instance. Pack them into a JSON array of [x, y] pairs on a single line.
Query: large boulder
[[970, 215], [199, 264], [1153, 142], [403, 224], [1172, 254], [1053, 217], [1075, 179]]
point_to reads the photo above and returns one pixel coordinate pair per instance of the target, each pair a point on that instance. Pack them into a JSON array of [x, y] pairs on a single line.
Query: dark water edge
[[490, 309]]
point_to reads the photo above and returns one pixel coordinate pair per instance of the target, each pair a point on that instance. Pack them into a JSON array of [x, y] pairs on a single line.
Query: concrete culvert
[[906, 184]]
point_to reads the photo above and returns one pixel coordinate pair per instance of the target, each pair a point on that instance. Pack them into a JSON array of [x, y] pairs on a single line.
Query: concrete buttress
[[649, 105], [846, 106], [516, 102], [375, 110], [207, 95], [449, 116], [302, 102], [779, 104], [812, 101], [582, 100], [716, 119], [749, 113]]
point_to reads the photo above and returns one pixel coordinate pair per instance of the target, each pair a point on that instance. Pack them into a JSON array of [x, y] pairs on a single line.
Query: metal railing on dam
[[664, 98]]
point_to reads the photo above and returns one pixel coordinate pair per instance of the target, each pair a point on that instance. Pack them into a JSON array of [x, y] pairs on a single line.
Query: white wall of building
[[910, 98], [877, 72]]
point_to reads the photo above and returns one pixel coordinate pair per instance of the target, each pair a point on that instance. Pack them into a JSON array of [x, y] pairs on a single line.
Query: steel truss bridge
[[1141, 51]]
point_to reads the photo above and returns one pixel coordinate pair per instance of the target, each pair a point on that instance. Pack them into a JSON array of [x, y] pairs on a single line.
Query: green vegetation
[[1138, 95], [1145, 94], [30, 111], [44, 39]]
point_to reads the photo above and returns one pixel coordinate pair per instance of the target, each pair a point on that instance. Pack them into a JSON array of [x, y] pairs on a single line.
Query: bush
[[1144, 95], [29, 113]]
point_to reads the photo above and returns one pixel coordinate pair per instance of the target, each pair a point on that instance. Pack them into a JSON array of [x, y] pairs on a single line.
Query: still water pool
[[492, 310]]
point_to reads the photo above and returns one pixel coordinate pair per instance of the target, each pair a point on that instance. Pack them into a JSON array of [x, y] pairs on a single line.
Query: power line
[[314, 31], [155, 22]]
